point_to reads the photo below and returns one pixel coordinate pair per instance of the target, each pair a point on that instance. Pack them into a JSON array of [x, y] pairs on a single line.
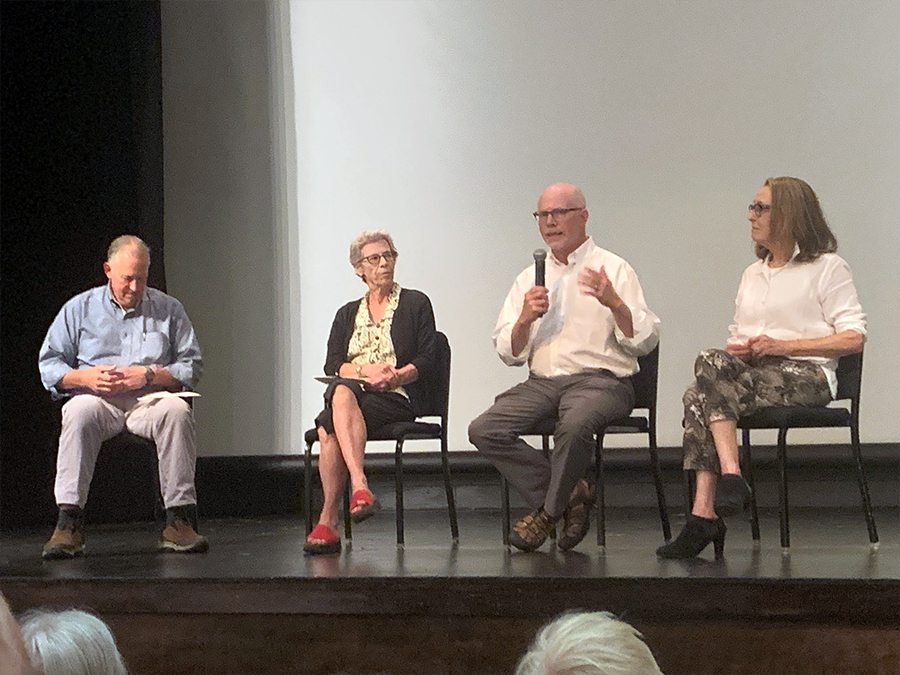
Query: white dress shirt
[[800, 300], [578, 333]]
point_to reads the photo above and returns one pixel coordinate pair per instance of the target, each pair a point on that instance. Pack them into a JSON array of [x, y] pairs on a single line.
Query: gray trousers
[[88, 420], [581, 404]]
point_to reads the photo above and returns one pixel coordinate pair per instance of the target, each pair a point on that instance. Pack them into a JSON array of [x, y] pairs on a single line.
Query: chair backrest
[[438, 397], [849, 377], [645, 382]]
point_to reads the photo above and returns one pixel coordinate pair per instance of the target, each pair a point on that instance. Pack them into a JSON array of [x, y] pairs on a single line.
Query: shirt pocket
[[155, 348]]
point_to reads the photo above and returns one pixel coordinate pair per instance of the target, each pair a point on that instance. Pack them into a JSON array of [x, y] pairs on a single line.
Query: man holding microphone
[[580, 332]]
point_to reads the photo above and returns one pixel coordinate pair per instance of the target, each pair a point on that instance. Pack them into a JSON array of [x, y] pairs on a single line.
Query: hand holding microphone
[[537, 298]]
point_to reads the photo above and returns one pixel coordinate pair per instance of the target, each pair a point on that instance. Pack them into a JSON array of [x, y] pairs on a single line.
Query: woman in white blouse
[[796, 313], [381, 350]]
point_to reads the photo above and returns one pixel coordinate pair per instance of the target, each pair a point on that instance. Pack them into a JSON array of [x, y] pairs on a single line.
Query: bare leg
[[705, 497], [724, 433], [333, 473], [350, 431]]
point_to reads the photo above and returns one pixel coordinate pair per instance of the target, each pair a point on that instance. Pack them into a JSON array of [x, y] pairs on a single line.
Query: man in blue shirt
[[106, 349]]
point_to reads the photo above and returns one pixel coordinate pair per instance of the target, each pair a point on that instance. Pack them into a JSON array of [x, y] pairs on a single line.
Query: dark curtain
[[81, 140]]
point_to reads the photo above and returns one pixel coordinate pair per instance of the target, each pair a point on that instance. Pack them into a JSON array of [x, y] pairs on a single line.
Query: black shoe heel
[[697, 534], [719, 541]]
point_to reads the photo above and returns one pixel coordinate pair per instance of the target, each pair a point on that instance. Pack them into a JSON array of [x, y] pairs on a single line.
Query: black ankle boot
[[732, 495], [695, 536]]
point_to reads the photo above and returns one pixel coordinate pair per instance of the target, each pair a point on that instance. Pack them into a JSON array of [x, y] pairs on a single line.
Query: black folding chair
[[645, 389], [402, 432], [849, 374]]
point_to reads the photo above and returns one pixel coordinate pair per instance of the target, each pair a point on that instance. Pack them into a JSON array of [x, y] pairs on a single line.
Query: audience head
[[797, 218], [70, 642], [14, 658], [588, 643]]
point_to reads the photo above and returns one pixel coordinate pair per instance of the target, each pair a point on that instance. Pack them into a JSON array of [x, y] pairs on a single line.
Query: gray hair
[[128, 241], [588, 643], [70, 642], [368, 237]]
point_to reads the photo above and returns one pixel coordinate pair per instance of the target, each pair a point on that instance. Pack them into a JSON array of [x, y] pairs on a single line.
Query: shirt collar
[[578, 255], [107, 293], [793, 256]]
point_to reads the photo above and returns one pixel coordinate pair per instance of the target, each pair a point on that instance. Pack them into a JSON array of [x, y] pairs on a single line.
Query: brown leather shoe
[[180, 537], [532, 531], [577, 518], [180, 534], [67, 540]]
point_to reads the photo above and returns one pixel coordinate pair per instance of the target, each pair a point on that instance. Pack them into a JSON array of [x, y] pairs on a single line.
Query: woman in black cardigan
[[381, 348]]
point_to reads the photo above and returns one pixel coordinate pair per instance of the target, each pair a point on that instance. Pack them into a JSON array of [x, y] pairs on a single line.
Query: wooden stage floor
[[255, 604]]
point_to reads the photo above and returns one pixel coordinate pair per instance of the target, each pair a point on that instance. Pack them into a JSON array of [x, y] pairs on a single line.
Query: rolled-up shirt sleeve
[[645, 323], [839, 299], [509, 314]]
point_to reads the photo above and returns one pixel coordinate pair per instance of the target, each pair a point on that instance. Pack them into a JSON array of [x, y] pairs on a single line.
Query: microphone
[[540, 266], [540, 258]]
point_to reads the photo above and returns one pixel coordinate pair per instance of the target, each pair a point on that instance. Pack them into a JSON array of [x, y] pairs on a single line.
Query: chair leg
[[747, 469], [660, 494], [348, 530], [601, 491], [307, 488], [504, 509], [448, 488], [863, 484], [783, 489], [398, 489]]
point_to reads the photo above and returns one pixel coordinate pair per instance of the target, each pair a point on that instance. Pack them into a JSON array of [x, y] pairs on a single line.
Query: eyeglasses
[[375, 258], [759, 208], [541, 216]]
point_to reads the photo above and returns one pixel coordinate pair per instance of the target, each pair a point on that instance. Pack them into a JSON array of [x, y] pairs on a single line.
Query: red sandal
[[363, 505], [329, 541]]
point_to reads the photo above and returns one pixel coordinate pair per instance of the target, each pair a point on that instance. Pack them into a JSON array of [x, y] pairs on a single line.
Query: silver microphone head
[[539, 255]]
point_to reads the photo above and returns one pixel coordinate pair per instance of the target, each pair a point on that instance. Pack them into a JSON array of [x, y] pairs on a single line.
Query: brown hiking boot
[[532, 531], [67, 540], [180, 534]]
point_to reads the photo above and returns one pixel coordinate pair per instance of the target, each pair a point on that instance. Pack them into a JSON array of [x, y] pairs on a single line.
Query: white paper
[[167, 394]]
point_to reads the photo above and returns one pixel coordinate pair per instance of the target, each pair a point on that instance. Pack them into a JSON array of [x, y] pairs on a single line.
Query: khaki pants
[[88, 420]]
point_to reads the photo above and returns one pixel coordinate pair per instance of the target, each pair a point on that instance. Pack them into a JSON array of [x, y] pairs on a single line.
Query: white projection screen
[[442, 122]]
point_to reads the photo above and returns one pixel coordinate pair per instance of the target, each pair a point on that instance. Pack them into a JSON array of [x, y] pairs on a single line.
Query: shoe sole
[[61, 554], [322, 549], [365, 512], [171, 547], [727, 509], [516, 540]]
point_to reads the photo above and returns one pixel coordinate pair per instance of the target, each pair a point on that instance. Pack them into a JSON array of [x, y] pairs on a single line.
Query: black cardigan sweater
[[413, 335]]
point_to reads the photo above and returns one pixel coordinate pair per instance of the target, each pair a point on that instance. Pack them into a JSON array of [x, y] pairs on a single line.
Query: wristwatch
[[149, 374]]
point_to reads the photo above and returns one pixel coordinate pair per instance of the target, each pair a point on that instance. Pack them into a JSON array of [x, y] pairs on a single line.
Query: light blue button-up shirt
[[92, 329]]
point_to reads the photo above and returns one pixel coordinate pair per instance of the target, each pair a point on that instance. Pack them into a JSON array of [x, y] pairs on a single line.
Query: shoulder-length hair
[[797, 218]]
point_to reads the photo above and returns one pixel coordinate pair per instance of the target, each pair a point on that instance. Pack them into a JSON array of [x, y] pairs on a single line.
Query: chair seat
[[624, 425], [407, 430], [795, 416], [629, 425], [391, 432]]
